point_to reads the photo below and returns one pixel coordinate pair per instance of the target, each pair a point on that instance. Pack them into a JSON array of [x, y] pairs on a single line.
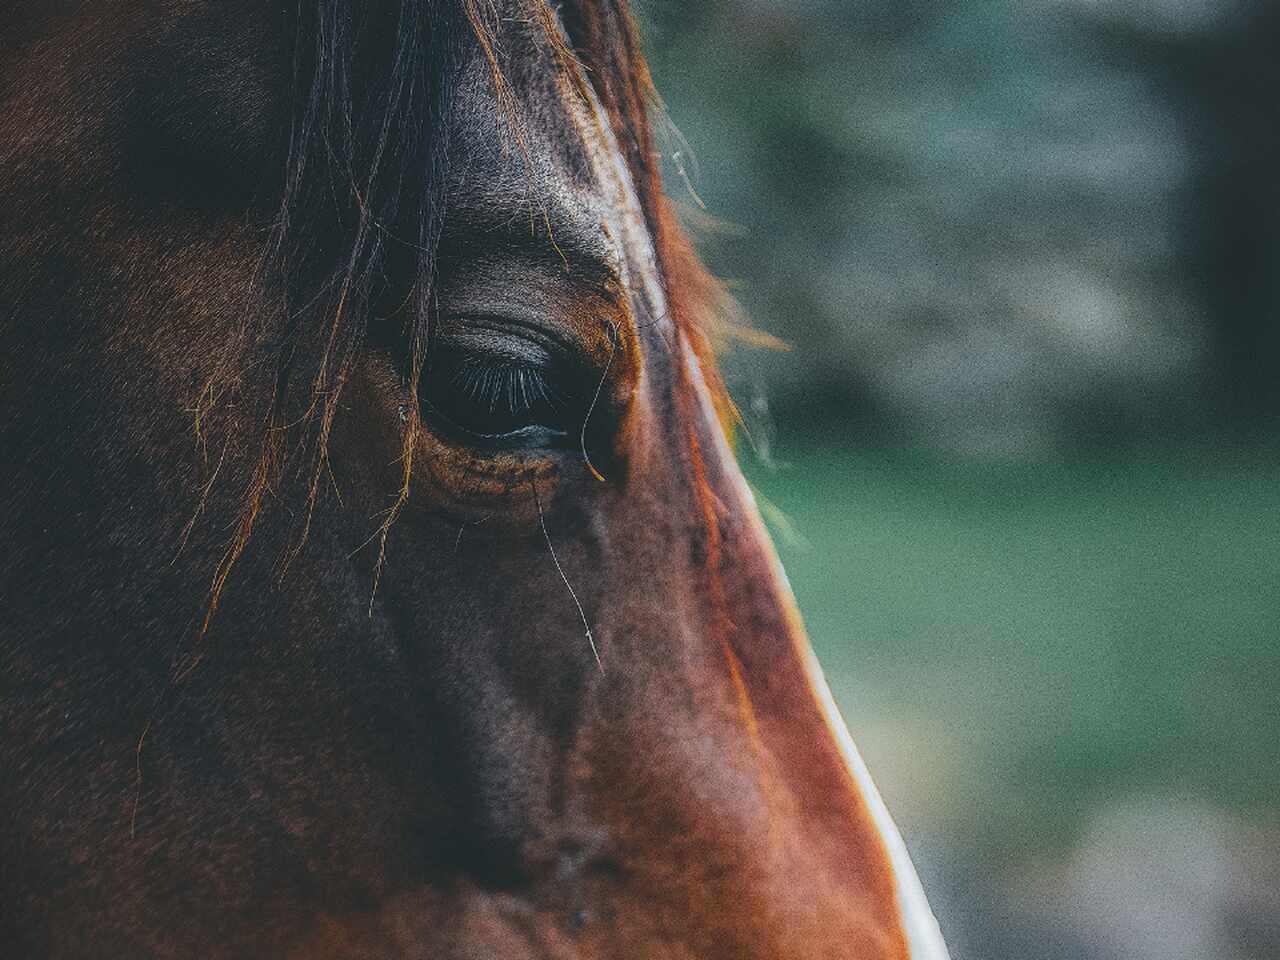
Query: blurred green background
[[1022, 458]]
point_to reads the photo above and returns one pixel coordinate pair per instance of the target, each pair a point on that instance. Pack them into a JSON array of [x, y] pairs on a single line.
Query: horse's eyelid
[[550, 334]]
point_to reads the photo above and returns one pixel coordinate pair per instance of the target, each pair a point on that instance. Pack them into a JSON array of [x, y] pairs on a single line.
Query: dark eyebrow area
[[547, 264], [558, 235]]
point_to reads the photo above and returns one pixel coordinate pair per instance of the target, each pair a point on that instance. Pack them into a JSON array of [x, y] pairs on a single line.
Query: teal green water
[[1012, 644]]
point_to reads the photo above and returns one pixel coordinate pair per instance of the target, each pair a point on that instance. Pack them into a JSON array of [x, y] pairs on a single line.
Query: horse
[[377, 576]]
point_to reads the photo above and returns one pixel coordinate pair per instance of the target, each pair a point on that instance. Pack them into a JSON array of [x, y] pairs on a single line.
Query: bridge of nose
[[832, 813], [725, 796]]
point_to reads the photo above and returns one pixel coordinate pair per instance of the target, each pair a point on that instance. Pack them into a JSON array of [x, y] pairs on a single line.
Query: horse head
[[378, 578]]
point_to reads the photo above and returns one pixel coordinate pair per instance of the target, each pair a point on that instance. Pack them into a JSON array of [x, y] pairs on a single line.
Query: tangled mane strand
[[364, 183]]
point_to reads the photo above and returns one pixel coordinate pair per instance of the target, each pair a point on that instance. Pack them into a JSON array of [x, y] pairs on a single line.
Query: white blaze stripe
[[924, 938]]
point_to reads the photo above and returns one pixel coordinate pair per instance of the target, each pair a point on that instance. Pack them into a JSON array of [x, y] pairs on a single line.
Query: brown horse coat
[[377, 580]]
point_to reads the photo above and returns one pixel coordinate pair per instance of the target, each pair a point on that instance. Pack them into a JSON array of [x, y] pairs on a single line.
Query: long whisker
[[582, 437], [542, 521]]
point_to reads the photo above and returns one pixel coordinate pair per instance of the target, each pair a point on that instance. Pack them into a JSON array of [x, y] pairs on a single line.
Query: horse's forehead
[[530, 139]]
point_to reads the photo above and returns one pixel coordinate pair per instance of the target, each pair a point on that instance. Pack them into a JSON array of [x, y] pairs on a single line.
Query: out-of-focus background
[[1022, 459]]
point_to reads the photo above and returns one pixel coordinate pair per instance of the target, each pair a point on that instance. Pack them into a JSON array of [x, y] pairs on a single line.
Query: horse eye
[[494, 400]]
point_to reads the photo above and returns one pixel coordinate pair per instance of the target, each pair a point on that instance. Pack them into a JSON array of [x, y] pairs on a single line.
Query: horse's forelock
[[368, 145]]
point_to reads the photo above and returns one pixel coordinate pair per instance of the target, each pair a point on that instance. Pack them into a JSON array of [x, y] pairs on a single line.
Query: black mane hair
[[356, 231]]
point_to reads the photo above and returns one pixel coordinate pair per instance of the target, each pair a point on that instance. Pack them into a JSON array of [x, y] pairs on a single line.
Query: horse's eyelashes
[[493, 400]]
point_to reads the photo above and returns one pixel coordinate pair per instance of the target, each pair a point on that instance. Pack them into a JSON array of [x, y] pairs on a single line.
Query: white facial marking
[[924, 938]]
